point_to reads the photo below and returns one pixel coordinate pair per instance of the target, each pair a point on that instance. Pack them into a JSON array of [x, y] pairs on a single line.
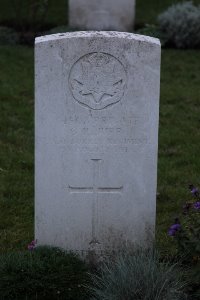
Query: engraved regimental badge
[[97, 80]]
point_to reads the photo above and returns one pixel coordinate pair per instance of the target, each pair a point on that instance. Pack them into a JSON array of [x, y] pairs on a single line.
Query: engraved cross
[[95, 190]]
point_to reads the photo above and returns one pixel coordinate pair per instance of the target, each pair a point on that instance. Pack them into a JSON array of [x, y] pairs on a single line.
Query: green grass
[[146, 11], [179, 135], [16, 147], [179, 141]]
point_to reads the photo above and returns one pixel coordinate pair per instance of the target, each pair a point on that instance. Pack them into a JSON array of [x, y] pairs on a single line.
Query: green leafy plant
[[180, 25], [138, 276], [42, 273]]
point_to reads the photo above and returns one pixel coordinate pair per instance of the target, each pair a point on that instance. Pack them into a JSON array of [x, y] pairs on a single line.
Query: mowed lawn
[[16, 148], [179, 141]]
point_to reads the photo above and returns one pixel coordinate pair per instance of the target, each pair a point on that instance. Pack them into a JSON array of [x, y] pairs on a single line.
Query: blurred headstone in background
[[102, 15]]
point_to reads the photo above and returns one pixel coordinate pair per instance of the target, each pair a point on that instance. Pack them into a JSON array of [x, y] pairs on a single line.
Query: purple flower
[[196, 205], [32, 245], [173, 229], [171, 232], [194, 190]]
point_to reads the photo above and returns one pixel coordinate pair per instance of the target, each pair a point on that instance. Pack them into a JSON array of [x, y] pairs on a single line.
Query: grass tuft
[[139, 276]]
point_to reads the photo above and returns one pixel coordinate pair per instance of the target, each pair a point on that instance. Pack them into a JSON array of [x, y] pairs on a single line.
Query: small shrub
[[43, 273], [151, 30], [138, 276], [180, 25], [8, 36]]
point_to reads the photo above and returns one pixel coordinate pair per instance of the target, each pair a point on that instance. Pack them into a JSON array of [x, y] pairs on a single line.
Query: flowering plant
[[32, 245], [186, 230]]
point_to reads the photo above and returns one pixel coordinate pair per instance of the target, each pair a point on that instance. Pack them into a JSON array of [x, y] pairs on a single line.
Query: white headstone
[[102, 15], [96, 122]]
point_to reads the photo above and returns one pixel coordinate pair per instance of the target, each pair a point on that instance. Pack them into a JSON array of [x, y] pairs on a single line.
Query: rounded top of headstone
[[97, 34]]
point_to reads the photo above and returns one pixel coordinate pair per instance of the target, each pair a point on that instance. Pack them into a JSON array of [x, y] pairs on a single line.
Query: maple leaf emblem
[[99, 79]]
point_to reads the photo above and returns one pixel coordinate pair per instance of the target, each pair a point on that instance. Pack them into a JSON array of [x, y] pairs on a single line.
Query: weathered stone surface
[[96, 138], [102, 15]]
